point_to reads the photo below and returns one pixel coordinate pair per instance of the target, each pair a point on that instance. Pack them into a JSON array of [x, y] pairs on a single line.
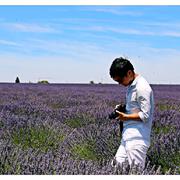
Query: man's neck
[[133, 78]]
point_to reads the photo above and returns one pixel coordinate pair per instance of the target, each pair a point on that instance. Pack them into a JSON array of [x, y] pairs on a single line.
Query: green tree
[[17, 80], [43, 82], [91, 82]]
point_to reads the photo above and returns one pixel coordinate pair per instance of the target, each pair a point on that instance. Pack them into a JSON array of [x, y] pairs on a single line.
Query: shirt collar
[[135, 81]]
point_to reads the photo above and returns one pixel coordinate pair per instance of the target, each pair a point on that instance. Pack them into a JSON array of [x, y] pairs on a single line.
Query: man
[[137, 120]]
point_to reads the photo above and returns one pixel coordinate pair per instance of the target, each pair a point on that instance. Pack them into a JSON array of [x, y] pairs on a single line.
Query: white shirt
[[139, 99]]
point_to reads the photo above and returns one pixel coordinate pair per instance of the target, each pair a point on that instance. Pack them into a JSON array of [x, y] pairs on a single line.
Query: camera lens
[[113, 115]]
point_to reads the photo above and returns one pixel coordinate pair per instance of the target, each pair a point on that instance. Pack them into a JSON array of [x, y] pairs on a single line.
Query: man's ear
[[129, 73]]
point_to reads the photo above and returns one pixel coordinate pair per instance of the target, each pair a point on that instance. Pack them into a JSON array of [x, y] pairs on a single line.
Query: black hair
[[120, 67]]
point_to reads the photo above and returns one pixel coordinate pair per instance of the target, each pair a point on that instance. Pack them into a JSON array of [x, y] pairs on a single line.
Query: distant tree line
[[92, 82], [17, 80], [46, 81]]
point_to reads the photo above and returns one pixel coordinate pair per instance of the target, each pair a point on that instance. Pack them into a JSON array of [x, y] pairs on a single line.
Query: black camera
[[114, 115], [120, 108]]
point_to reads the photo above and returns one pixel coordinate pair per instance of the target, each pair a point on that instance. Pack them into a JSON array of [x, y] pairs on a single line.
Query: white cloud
[[164, 24], [116, 11], [27, 27], [9, 43], [170, 33], [131, 31]]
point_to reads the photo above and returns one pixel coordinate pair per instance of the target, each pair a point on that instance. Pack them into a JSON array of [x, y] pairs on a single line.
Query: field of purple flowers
[[64, 129]]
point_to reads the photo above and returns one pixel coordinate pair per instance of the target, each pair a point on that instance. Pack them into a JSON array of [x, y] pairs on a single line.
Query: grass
[[78, 122], [111, 145], [165, 160], [163, 129], [161, 156], [75, 122], [42, 138], [166, 106], [85, 151], [56, 105], [23, 111]]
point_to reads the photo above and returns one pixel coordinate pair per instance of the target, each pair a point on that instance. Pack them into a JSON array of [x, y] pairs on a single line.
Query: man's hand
[[122, 116]]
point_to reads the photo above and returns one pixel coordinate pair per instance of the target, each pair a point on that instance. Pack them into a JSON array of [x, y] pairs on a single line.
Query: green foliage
[[91, 82], [164, 159], [163, 129], [43, 82], [112, 146], [17, 80], [162, 156], [85, 151], [75, 122], [56, 105], [41, 138], [164, 106], [78, 122]]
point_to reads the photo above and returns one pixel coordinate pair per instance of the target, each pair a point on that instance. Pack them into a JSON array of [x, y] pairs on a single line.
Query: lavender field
[[64, 129]]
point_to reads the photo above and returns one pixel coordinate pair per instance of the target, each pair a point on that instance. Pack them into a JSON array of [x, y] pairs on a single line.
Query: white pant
[[133, 151]]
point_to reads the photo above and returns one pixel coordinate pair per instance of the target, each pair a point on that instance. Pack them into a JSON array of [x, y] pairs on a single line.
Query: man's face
[[125, 80]]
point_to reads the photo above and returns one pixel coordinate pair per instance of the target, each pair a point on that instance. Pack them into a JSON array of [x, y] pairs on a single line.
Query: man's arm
[[143, 100], [126, 117]]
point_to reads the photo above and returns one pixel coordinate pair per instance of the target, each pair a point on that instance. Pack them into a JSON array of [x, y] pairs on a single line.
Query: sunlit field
[[65, 129]]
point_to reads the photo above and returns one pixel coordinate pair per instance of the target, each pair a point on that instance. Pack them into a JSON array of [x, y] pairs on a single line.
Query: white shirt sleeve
[[144, 101]]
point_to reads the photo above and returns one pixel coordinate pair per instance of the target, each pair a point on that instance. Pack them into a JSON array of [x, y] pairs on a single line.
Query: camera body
[[120, 108], [114, 115]]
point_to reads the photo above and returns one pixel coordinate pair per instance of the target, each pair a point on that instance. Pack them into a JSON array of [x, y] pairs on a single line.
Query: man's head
[[122, 71]]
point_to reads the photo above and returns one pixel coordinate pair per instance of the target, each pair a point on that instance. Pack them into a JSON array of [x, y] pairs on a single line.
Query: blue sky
[[77, 44]]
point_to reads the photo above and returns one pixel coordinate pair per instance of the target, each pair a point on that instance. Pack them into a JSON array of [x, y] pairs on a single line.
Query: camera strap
[[121, 126], [118, 128]]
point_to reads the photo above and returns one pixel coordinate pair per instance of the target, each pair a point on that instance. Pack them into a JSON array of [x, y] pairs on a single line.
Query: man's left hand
[[122, 116]]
